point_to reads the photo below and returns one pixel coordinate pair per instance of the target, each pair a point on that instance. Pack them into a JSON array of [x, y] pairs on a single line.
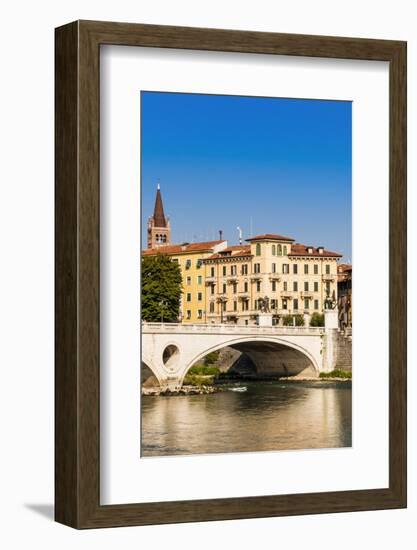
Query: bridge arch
[[270, 354], [149, 376]]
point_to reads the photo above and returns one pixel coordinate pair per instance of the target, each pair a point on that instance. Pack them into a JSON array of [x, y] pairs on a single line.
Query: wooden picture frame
[[77, 401]]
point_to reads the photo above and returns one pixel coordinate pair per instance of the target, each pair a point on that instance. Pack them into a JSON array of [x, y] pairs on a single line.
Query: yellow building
[[289, 277], [190, 257], [230, 284]]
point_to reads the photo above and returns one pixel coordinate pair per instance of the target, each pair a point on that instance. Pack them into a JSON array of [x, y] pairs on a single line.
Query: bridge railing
[[228, 329]]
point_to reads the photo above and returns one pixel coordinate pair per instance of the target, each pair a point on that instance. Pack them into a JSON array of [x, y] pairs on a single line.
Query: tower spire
[[158, 213], [159, 230]]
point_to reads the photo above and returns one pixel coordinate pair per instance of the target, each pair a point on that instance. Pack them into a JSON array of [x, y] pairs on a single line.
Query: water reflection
[[268, 416]]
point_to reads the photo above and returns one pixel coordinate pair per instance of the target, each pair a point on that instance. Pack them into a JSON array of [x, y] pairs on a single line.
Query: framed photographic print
[[215, 192]]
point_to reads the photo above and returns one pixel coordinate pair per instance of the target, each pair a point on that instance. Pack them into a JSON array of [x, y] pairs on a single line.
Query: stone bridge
[[169, 350]]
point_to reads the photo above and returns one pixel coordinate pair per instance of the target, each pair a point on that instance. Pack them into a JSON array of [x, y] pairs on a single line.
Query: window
[[256, 268], [199, 263], [234, 305], [224, 288], [188, 314], [188, 297], [245, 286], [234, 288], [327, 269], [211, 307], [305, 269], [233, 270], [295, 286], [175, 260], [224, 306], [211, 289], [316, 269], [224, 271], [316, 304], [316, 286], [244, 269], [255, 305], [245, 305], [285, 250], [212, 272], [258, 286], [199, 296], [295, 269], [284, 304], [285, 285], [200, 279], [285, 268], [327, 287], [295, 304], [305, 286], [274, 286], [279, 250], [188, 264], [274, 250], [274, 268], [306, 304], [258, 249], [188, 280], [274, 304], [200, 313]]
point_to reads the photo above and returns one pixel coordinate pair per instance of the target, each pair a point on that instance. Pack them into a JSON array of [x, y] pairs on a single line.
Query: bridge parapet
[[181, 328]]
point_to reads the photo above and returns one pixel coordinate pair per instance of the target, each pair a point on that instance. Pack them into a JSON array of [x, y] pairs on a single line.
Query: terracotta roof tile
[[181, 248], [298, 249], [270, 237], [236, 251]]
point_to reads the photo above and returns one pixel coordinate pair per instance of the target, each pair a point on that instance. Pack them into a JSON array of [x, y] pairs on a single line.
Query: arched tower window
[[258, 249], [274, 251], [279, 250], [285, 250]]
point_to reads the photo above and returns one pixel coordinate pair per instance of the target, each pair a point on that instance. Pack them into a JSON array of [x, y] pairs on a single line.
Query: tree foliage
[[291, 320], [161, 289], [317, 320]]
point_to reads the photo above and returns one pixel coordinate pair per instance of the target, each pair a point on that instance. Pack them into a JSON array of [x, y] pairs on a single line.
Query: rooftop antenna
[[220, 234], [240, 235]]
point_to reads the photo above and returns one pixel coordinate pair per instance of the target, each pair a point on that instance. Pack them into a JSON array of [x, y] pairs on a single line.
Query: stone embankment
[[184, 390]]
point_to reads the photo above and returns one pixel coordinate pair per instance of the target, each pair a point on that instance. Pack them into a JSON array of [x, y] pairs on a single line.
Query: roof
[[185, 248], [236, 251], [298, 249], [270, 237], [344, 272], [158, 212]]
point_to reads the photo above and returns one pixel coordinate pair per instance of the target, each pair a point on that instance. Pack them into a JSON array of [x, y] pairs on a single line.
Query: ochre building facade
[[232, 284]]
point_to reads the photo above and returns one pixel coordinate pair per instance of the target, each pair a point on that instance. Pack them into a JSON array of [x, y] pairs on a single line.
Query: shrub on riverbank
[[204, 370], [337, 373], [198, 380]]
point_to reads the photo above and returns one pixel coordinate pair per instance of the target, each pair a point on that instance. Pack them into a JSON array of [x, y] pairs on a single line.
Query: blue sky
[[272, 165]]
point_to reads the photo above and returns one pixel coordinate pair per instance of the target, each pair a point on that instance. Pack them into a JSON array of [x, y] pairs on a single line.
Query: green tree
[[317, 320], [161, 289], [291, 320]]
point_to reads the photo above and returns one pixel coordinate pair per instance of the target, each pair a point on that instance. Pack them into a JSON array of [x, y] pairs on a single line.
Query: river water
[[266, 416]]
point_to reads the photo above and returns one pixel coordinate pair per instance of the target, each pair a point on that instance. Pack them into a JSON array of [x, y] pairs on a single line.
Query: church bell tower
[[159, 230]]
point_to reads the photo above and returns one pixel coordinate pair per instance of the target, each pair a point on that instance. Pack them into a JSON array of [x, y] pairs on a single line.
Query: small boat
[[239, 389]]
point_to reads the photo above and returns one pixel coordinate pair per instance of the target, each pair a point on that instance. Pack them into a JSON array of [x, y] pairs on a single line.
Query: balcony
[[288, 294], [329, 277]]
